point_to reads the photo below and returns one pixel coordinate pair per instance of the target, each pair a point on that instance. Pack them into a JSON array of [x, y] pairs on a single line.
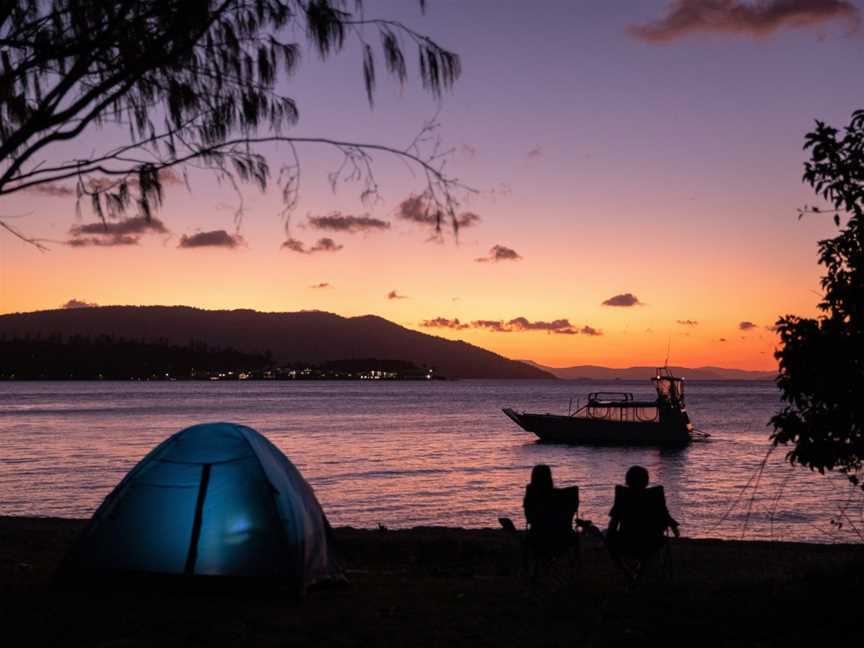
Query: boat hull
[[554, 428]]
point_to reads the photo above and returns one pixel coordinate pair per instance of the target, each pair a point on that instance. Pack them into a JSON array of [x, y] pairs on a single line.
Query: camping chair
[[551, 538], [639, 529]]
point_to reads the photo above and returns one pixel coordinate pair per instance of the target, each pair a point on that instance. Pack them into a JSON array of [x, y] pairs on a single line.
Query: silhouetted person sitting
[[549, 512], [639, 520]]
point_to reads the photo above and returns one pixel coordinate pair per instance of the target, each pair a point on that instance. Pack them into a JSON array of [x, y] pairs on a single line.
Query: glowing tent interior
[[216, 499]]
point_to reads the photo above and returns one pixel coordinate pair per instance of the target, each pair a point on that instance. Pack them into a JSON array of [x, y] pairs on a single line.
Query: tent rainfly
[[216, 499]]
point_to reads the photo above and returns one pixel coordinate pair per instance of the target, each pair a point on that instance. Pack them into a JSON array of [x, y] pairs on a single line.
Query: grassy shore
[[440, 587]]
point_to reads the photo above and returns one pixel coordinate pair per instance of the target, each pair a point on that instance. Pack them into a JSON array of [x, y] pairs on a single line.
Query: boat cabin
[[621, 406]]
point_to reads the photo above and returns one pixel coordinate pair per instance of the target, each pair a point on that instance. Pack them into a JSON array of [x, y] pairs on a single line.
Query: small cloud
[[623, 300], [687, 322], [97, 184], [499, 253], [77, 303], [443, 322], [524, 324], [325, 245], [295, 246], [322, 245], [102, 241], [52, 190], [339, 222], [590, 330], [56, 190], [215, 238], [496, 326], [535, 154], [127, 226], [322, 285], [735, 17], [395, 295], [467, 219], [746, 326], [420, 210], [561, 326], [126, 231]]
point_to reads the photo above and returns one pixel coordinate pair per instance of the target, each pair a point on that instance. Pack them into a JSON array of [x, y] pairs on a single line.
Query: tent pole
[[192, 556]]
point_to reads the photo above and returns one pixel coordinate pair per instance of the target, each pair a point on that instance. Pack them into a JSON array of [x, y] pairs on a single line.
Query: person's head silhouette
[[541, 477], [636, 478]]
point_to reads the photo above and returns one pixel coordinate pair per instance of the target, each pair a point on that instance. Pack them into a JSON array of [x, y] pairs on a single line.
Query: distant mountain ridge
[[306, 336], [594, 372]]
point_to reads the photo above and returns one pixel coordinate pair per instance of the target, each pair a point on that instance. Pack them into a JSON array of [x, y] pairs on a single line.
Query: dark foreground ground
[[442, 587]]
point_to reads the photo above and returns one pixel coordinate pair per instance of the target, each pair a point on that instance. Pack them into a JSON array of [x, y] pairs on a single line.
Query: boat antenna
[[668, 348]]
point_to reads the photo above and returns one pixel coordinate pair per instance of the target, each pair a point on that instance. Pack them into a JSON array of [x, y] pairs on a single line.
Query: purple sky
[[651, 148]]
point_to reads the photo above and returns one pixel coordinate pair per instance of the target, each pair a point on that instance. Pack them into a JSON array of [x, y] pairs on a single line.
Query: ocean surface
[[404, 454]]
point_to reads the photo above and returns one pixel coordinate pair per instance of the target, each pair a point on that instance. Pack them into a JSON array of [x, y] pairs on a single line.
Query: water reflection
[[404, 454]]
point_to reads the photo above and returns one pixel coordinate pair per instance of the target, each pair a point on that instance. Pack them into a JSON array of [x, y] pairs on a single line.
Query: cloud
[[52, 190], [323, 284], [77, 303], [102, 241], [535, 154], [339, 222], [624, 300], [561, 326], [56, 190], [467, 219], [128, 226], [126, 231], [523, 324], [687, 322], [497, 326], [416, 209], [395, 295], [736, 17], [443, 322], [322, 245], [746, 326], [420, 210], [167, 176], [215, 238], [499, 253]]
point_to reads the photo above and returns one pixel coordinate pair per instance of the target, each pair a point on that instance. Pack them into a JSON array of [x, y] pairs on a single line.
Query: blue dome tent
[[216, 499]]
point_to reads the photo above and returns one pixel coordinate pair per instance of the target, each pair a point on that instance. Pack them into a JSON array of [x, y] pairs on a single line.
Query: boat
[[616, 418]]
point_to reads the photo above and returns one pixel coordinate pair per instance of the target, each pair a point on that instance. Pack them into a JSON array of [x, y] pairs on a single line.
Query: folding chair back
[[551, 536], [642, 520]]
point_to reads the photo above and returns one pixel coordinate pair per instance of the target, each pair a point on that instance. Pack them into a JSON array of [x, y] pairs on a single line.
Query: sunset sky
[[637, 166]]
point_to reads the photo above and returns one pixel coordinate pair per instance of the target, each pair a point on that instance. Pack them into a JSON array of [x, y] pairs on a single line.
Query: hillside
[[307, 336], [593, 372]]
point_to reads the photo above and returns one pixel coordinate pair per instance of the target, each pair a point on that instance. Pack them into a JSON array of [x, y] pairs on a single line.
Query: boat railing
[[628, 411], [644, 413], [610, 397]]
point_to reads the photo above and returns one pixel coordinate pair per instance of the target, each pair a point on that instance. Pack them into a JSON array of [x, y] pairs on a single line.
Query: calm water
[[416, 453]]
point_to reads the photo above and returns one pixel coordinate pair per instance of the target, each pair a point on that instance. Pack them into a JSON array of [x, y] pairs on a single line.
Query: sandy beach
[[440, 586]]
